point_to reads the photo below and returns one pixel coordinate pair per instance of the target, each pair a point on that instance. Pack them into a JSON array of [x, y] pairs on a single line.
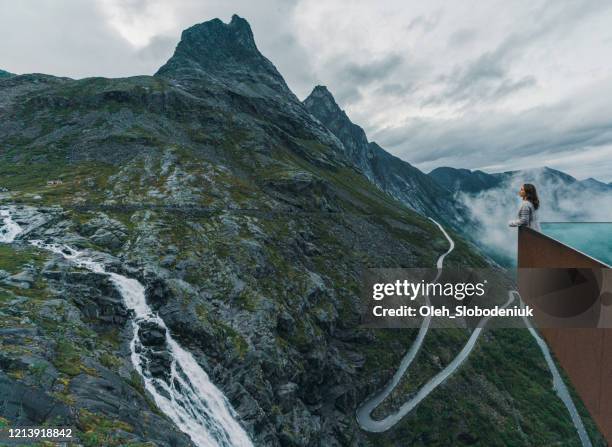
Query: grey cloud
[[485, 79], [40, 36], [488, 78], [351, 77], [363, 73], [395, 88], [347, 94], [424, 24], [475, 141], [159, 49], [293, 62], [510, 86], [461, 37]]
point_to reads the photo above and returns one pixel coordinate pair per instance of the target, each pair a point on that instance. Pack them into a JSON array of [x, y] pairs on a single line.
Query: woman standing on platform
[[528, 212]]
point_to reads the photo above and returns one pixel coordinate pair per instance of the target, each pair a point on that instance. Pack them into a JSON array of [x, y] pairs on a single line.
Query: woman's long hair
[[532, 195]]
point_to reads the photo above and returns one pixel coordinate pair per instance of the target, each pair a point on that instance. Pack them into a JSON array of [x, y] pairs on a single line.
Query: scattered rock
[[151, 334]]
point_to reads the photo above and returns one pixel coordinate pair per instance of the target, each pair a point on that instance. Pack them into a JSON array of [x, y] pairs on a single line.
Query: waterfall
[[180, 387], [10, 228]]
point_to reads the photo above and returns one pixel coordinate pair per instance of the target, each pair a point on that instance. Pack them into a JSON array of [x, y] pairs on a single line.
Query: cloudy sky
[[493, 85]]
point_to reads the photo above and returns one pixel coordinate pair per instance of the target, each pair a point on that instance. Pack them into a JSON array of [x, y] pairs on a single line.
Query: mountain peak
[[321, 98], [242, 31], [225, 52], [322, 105], [322, 91], [208, 44]]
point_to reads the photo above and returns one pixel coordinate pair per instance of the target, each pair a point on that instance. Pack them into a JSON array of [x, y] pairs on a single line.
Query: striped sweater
[[527, 217]]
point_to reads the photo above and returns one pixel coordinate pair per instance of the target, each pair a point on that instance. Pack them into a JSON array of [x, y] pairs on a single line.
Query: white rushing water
[[184, 393], [9, 229]]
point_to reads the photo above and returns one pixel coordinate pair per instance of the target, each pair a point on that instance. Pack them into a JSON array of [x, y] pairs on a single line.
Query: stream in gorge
[[180, 388]]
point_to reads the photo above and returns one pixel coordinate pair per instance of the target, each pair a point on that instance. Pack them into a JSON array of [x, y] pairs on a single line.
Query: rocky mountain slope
[[396, 177], [249, 224]]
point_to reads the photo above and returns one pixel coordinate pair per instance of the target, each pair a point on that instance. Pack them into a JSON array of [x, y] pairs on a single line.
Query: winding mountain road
[[364, 412]]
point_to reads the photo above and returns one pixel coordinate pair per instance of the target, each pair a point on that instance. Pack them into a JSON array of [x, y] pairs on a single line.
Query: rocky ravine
[[249, 226]]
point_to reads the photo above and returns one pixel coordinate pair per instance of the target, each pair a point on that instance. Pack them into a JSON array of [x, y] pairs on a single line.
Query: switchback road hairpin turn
[[364, 412]]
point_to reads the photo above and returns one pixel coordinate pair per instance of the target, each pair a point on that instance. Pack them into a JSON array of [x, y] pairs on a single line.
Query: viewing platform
[[565, 270]]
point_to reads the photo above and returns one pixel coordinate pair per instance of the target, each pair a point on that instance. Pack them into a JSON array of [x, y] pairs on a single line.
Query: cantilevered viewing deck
[[569, 263]]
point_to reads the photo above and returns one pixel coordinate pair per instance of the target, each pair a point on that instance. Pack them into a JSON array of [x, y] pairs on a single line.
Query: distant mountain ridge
[[464, 179], [468, 181], [594, 183]]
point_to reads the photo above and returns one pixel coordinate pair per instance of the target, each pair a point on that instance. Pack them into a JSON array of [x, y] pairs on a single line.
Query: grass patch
[[68, 359], [98, 430], [14, 259]]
